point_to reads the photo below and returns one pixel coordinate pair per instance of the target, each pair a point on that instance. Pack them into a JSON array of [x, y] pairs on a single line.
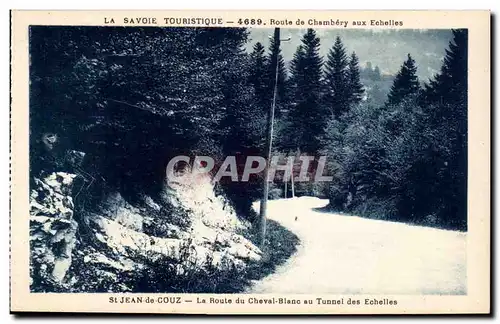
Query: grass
[[161, 276], [279, 246], [386, 210]]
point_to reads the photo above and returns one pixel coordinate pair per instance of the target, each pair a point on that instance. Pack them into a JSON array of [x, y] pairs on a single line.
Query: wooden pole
[[286, 187], [269, 142]]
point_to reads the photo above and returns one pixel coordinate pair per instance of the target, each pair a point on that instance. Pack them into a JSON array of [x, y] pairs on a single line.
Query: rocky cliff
[[187, 240]]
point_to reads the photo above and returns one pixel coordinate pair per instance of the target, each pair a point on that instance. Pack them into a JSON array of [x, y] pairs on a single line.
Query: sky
[[386, 49]]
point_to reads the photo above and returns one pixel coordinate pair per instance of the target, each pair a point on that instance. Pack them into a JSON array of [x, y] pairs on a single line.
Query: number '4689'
[[250, 21]]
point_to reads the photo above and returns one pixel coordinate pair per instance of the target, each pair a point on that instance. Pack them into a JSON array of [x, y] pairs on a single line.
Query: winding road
[[341, 254]]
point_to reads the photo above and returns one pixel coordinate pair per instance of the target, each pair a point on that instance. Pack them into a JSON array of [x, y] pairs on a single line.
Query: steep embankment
[[343, 254], [188, 240]]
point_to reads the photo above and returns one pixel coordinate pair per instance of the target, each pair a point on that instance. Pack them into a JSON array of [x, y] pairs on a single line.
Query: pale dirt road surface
[[341, 254]]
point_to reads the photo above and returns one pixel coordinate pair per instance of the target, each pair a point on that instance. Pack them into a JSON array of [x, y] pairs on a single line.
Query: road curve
[[341, 254]]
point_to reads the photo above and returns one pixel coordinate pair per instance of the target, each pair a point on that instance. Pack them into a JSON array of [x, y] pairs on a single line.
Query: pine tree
[[259, 75], [451, 83], [307, 120], [271, 76], [312, 60], [258, 63], [445, 101], [296, 69], [356, 89], [336, 96], [288, 138], [406, 82]]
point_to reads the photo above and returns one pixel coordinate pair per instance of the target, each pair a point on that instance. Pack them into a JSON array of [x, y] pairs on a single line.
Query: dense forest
[[133, 98]]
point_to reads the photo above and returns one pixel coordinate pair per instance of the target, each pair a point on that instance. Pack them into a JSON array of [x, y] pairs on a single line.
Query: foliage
[[356, 89], [132, 98], [406, 160], [160, 275], [405, 83], [275, 57], [280, 245], [337, 80], [306, 112]]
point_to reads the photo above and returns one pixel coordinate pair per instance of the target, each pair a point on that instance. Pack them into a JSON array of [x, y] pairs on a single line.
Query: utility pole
[[269, 140], [286, 186]]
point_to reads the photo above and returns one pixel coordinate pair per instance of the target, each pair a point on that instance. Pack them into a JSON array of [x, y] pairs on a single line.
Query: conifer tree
[[259, 75], [406, 82], [451, 83], [306, 117], [445, 100], [296, 70], [356, 89], [336, 96]]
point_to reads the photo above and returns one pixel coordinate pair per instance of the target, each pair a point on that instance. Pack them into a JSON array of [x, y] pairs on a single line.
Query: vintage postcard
[[250, 162]]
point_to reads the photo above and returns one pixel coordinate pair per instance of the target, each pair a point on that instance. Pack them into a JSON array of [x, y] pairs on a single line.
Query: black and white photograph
[[248, 160]]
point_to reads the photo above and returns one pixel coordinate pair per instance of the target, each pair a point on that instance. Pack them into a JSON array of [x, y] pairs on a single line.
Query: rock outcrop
[[188, 232], [52, 227]]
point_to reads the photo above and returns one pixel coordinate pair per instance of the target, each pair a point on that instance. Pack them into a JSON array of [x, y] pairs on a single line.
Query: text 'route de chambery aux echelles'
[[336, 22], [214, 21]]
